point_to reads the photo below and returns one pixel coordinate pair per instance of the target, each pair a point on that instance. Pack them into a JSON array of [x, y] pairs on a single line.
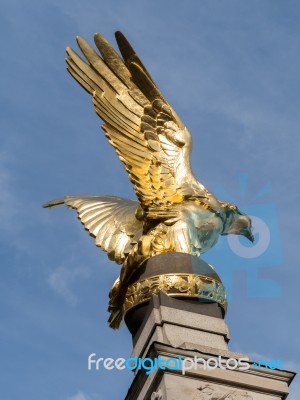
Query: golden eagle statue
[[174, 212]]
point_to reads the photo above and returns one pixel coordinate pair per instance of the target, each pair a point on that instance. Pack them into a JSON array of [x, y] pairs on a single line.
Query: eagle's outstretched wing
[[110, 220], [148, 136]]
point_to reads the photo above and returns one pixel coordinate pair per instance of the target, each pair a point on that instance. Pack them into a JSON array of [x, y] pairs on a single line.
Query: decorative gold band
[[205, 288]]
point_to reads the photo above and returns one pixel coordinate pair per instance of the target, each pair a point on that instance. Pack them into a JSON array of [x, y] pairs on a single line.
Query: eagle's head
[[238, 223]]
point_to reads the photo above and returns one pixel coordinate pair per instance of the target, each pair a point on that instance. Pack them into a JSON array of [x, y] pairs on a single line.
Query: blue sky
[[231, 71]]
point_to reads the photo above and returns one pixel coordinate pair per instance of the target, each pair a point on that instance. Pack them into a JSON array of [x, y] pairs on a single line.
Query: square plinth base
[[185, 335]]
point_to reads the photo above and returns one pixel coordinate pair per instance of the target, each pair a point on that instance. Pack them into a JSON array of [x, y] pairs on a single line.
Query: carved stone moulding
[[157, 395], [208, 392]]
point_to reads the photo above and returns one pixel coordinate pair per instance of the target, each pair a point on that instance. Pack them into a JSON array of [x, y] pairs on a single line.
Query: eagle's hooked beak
[[248, 234]]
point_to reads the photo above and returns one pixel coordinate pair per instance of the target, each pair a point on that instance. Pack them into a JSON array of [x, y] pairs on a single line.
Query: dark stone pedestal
[[173, 263]]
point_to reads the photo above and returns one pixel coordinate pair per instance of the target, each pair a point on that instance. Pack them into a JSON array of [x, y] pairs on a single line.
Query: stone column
[[192, 334]]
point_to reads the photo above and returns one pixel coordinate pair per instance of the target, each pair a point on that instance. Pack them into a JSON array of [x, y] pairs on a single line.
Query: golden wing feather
[[149, 138], [110, 220]]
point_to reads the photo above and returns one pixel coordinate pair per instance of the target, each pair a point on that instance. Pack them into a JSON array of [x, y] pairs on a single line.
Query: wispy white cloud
[[83, 396], [63, 278], [79, 396]]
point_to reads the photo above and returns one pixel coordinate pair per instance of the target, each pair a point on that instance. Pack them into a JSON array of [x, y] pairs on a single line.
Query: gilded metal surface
[[202, 287], [174, 212]]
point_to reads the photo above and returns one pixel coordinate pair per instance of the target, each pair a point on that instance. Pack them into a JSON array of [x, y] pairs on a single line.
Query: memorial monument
[[172, 301]]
